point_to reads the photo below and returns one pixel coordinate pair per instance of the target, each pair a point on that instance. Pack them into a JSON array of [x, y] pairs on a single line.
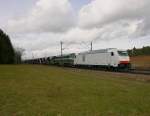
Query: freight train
[[111, 58]]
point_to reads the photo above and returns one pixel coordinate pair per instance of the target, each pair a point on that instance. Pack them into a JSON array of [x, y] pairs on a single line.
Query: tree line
[[8, 55], [139, 51]]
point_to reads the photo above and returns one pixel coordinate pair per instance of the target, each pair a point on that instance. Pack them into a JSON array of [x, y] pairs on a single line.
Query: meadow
[[36, 90]]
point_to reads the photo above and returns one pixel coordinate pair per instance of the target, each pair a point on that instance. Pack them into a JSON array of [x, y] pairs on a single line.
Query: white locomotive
[[110, 58]]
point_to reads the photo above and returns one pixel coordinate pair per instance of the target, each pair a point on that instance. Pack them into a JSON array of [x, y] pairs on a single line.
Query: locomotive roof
[[97, 51], [65, 55]]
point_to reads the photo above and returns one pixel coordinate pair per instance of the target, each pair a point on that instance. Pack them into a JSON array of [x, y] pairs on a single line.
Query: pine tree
[[7, 53]]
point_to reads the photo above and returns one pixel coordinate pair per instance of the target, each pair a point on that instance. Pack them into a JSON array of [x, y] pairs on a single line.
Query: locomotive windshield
[[122, 53]]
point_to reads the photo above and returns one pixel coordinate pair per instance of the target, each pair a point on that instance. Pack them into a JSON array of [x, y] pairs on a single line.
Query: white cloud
[[100, 12], [46, 16], [78, 34], [108, 23], [116, 19]]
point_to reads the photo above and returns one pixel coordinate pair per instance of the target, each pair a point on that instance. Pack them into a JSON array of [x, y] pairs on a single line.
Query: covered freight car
[[65, 60]]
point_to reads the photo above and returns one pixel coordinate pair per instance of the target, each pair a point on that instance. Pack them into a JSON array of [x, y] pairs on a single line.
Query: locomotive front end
[[124, 60]]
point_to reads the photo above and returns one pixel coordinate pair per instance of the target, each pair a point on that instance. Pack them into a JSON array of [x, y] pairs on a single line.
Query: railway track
[[131, 71], [135, 71]]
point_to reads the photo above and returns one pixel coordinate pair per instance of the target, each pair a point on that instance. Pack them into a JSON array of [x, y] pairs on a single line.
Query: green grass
[[27, 90]]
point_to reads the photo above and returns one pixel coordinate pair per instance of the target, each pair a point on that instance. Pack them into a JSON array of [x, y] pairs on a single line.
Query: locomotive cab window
[[123, 53], [112, 53]]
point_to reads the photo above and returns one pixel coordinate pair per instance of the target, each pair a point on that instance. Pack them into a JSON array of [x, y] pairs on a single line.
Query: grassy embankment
[[27, 90], [141, 62]]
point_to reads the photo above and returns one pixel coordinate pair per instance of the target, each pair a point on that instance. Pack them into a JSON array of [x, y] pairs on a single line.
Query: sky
[[38, 26]]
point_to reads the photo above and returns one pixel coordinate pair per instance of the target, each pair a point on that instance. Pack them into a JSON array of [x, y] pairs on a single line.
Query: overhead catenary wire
[[84, 45]]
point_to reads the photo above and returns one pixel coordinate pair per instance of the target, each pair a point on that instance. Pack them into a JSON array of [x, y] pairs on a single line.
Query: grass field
[[141, 62], [27, 90]]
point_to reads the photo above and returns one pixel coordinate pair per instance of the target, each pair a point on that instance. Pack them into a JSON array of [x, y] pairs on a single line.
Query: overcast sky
[[38, 26]]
